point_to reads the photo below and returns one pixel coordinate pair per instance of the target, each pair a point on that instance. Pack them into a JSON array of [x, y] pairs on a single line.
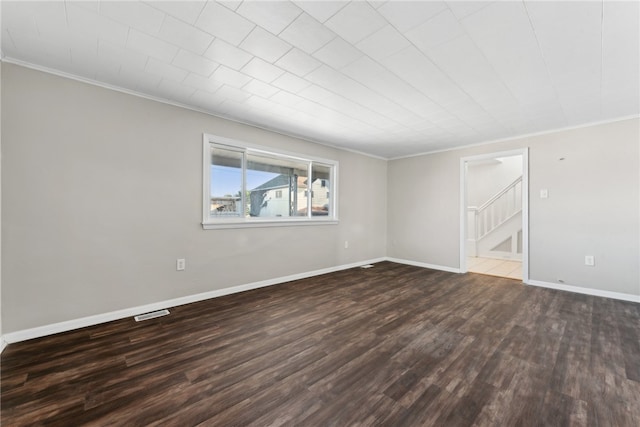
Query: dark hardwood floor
[[393, 345]]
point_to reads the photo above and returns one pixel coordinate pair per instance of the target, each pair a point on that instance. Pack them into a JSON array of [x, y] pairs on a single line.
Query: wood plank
[[391, 345]]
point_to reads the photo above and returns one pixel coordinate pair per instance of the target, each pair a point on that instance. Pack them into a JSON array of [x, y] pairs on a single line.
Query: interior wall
[[102, 192], [486, 178], [593, 206], [1, 334]]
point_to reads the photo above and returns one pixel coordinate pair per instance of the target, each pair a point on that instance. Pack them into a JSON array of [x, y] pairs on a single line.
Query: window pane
[[276, 187], [226, 182], [320, 190]]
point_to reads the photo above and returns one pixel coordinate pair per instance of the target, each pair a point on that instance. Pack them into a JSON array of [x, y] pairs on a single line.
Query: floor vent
[[151, 315], [367, 266]]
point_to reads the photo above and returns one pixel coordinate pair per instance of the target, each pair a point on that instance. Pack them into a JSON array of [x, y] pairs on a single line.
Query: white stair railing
[[498, 209]]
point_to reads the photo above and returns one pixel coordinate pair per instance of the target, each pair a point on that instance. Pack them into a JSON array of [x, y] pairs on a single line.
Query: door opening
[[494, 214]]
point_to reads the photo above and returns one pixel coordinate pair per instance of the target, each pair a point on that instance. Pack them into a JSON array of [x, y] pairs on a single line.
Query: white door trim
[[524, 152]]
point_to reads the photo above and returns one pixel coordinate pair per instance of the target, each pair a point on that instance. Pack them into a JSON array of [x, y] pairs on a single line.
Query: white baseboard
[[424, 265], [70, 325], [560, 287], [586, 291]]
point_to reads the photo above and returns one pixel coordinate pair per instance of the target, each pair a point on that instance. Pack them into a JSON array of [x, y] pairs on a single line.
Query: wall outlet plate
[[181, 264], [589, 260]]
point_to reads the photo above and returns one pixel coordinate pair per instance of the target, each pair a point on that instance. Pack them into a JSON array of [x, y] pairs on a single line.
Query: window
[[252, 186]]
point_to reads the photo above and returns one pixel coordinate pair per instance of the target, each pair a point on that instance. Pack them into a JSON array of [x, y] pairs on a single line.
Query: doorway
[[494, 214]]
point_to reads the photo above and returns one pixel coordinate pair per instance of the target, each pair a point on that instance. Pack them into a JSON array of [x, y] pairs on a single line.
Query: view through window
[[248, 184]]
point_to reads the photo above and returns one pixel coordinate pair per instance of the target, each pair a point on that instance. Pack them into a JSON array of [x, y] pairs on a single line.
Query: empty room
[[314, 213]]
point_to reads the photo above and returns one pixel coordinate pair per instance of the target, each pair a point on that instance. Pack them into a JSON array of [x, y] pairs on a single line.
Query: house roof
[[281, 181]]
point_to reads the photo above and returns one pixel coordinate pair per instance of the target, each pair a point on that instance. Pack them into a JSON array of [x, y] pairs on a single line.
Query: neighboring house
[[286, 195]]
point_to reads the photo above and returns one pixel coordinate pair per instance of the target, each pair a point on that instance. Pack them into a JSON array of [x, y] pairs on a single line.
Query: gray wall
[[592, 209], [485, 179], [1, 339], [102, 191]]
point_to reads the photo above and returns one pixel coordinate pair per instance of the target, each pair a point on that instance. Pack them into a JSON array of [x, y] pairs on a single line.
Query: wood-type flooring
[[393, 345]]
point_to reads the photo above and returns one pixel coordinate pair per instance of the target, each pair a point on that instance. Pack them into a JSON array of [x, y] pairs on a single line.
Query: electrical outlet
[[181, 264], [346, 244], [589, 260]]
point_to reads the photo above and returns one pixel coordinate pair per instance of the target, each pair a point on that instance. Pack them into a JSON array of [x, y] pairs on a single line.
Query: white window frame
[[210, 223]]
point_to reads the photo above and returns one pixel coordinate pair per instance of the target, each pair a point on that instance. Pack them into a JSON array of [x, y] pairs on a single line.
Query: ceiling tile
[[86, 22], [315, 93], [321, 10], [22, 18], [151, 46], [571, 47], [463, 9], [404, 15], [184, 35], [339, 83], [356, 21], [439, 29], [221, 22], [232, 93], [227, 54], [201, 83], [194, 63], [108, 53], [517, 58], [262, 70], [376, 3], [93, 5], [621, 53], [134, 76], [137, 15], [418, 71], [401, 77], [273, 16], [259, 88], [174, 91], [111, 76], [83, 64], [290, 82], [286, 98], [265, 45], [165, 70], [230, 4], [621, 107], [298, 62], [230, 77], [307, 34], [8, 46], [206, 100], [391, 86], [187, 11], [465, 65], [383, 43], [337, 53], [260, 103], [50, 18]]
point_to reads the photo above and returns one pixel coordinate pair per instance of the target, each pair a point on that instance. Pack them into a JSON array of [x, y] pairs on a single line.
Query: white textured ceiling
[[389, 78]]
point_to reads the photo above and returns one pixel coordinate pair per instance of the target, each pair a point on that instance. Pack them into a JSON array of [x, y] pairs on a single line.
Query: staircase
[[495, 228]]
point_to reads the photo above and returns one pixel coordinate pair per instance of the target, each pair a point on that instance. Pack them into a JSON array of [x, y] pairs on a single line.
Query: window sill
[[266, 223]]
